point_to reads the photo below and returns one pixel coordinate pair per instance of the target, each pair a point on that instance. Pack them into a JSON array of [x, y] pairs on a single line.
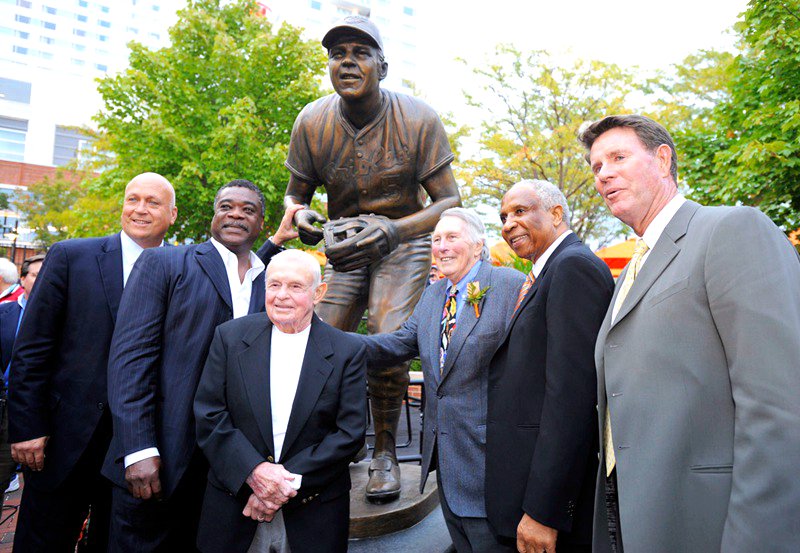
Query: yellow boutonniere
[[475, 294]]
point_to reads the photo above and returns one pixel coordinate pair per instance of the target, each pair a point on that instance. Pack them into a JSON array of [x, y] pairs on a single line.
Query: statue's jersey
[[377, 169]]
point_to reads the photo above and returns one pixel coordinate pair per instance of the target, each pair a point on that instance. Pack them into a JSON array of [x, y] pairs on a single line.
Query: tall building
[[51, 53], [396, 20]]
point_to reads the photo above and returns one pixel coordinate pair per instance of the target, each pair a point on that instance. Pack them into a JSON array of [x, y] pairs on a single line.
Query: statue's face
[[356, 69]]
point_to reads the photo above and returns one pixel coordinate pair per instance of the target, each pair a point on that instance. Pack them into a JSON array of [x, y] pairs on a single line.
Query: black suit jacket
[[9, 319], [234, 429], [541, 438], [58, 383], [174, 299]]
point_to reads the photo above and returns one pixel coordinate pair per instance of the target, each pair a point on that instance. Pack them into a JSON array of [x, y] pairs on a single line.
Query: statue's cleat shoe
[[384, 480]]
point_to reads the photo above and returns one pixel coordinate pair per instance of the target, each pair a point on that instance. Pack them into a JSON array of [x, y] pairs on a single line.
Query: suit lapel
[[313, 376], [659, 259], [466, 321], [209, 260], [254, 367], [110, 264], [257, 293]]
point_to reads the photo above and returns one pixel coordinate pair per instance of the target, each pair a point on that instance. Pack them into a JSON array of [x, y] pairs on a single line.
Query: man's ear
[[383, 70], [319, 293], [558, 214], [664, 158]]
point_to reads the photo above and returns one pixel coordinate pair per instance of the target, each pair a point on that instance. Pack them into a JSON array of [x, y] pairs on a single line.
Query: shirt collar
[[230, 260], [130, 249], [461, 285], [539, 264], [660, 221], [22, 301]]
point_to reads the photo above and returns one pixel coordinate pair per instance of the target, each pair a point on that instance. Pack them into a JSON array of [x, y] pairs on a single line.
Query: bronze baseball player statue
[[378, 154]]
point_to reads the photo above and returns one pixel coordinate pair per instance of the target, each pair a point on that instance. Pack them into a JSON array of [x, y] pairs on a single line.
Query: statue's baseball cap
[[357, 25]]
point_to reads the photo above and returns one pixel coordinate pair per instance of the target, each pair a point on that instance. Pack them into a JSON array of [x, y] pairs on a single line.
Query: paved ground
[[9, 519]]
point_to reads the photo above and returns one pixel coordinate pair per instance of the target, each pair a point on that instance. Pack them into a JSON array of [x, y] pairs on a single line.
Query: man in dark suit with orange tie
[[541, 433]]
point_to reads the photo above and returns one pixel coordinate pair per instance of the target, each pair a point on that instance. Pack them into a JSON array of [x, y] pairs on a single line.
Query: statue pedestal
[[369, 520]]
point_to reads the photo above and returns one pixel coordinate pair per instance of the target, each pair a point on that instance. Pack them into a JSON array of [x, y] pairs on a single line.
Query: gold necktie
[[630, 276]]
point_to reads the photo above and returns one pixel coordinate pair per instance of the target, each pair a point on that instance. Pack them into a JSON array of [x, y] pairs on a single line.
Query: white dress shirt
[[240, 299], [241, 290], [539, 264], [130, 253], [656, 227], [286, 355]]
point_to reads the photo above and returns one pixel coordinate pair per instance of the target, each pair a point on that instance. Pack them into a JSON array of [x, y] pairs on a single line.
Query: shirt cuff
[[141, 456]]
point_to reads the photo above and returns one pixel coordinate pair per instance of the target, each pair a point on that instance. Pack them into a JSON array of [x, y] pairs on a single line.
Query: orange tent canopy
[[617, 256]]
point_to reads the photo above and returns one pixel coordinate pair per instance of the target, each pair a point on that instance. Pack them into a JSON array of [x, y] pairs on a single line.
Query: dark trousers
[[51, 521], [471, 534], [162, 525], [612, 512], [7, 464]]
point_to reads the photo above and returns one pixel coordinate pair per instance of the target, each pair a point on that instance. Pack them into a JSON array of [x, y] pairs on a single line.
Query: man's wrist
[[141, 456]]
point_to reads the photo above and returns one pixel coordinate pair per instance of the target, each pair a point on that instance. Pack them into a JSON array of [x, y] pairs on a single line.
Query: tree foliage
[[744, 145], [534, 107], [216, 105]]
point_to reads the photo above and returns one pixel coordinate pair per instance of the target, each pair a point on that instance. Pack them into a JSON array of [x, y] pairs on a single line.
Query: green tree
[[744, 146], [216, 105], [534, 107]]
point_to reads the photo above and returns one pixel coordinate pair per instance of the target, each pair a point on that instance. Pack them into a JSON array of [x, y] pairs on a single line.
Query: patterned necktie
[[448, 325], [633, 271], [524, 290]]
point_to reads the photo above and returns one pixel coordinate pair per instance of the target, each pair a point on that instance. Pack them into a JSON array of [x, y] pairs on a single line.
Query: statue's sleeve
[[434, 148], [299, 160]]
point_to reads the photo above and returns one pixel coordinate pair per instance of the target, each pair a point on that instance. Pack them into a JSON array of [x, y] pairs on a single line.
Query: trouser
[[7, 464], [612, 511], [51, 521], [390, 289], [162, 525], [471, 534]]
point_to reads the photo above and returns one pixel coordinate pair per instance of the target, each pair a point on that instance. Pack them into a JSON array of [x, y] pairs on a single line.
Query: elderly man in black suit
[[175, 299], [541, 435], [281, 410], [59, 427]]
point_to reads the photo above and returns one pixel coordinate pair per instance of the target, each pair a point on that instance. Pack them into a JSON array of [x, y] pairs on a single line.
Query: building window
[[83, 3], [22, 18], [102, 23], [20, 50], [48, 9], [156, 7], [78, 32], [80, 63], [78, 47], [315, 5], [408, 11], [22, 34], [132, 30], [82, 18], [12, 139], [101, 67], [102, 38], [43, 55], [47, 39], [49, 25], [69, 144], [23, 3], [15, 91], [104, 9]]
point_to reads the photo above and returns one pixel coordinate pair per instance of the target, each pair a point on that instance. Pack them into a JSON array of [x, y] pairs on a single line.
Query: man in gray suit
[[455, 335], [697, 359]]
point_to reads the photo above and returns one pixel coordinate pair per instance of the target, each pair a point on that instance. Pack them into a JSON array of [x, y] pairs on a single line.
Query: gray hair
[[8, 271], [550, 196], [476, 231], [298, 259], [650, 133]]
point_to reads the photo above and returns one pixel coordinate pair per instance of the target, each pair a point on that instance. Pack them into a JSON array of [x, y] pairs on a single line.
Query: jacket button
[[101, 406], [271, 459]]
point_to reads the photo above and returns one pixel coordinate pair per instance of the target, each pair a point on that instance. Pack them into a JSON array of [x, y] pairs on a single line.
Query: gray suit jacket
[[701, 371], [455, 402]]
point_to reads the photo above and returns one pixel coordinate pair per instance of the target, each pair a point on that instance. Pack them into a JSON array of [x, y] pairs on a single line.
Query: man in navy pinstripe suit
[[174, 300], [59, 427]]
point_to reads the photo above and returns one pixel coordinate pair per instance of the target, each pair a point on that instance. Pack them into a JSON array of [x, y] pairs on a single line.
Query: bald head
[[299, 261], [148, 209]]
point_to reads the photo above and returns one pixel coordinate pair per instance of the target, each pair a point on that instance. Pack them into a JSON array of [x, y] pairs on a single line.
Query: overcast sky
[[627, 32]]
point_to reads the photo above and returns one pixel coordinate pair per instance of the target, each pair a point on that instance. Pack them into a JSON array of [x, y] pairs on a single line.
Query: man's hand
[[30, 453], [375, 241], [285, 230], [305, 219], [258, 510], [533, 537], [270, 484], [143, 478]]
